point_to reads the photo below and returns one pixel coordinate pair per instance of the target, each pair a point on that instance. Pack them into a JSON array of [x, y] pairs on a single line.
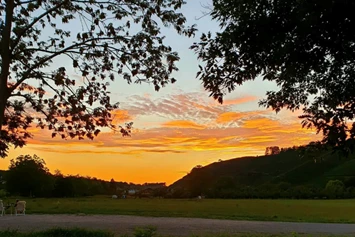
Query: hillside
[[287, 169]]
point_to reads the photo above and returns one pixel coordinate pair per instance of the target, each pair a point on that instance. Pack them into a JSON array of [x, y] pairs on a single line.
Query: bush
[[3, 193], [148, 231], [335, 189]]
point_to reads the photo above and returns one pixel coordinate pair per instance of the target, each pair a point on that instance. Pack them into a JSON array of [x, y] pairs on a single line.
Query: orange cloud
[[111, 152], [255, 131], [276, 126], [241, 100], [229, 117], [120, 116], [262, 123], [183, 124], [259, 139]]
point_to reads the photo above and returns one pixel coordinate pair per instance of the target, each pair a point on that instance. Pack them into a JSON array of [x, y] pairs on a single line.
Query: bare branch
[[209, 9]]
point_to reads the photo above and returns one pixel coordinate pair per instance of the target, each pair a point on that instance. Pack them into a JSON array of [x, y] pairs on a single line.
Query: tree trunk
[[5, 59], [2, 105]]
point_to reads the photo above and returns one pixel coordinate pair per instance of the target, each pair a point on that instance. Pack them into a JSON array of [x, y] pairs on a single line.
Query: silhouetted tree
[[29, 176], [272, 150], [36, 88], [113, 186], [63, 187], [306, 47]]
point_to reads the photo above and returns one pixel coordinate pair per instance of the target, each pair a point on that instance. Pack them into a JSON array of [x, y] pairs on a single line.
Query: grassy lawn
[[270, 210], [60, 232]]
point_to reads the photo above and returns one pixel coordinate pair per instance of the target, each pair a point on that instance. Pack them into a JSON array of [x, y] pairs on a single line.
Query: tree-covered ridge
[[293, 173]]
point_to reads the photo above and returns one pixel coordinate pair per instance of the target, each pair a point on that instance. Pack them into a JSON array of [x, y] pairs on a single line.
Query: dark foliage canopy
[[114, 38], [28, 176], [306, 46]]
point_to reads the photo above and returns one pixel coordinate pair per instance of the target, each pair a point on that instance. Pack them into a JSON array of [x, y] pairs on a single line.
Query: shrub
[[148, 231], [335, 189], [3, 193]]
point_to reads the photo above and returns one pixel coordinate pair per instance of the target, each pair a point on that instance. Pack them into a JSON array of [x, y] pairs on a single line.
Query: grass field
[[341, 211], [59, 232]]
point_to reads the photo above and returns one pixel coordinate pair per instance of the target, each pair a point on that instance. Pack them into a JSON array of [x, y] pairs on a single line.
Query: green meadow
[[145, 232], [331, 211]]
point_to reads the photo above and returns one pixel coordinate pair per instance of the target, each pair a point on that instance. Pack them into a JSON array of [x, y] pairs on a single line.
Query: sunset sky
[[176, 128]]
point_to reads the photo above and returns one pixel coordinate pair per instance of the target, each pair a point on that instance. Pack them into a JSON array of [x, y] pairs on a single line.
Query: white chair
[[2, 208], [20, 208]]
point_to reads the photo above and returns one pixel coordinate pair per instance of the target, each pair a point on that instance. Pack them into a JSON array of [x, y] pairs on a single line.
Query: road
[[169, 226]]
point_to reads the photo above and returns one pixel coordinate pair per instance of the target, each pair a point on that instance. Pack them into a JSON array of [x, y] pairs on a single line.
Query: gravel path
[[168, 226]]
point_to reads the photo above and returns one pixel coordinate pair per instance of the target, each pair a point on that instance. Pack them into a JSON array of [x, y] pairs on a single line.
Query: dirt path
[[168, 226]]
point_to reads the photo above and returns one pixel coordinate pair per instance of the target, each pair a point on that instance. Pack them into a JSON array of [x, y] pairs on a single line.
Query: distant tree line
[[225, 188], [28, 176]]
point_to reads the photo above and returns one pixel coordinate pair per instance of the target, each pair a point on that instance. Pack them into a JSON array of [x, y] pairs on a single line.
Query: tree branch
[[79, 101], [34, 22], [41, 62], [48, 51], [24, 2]]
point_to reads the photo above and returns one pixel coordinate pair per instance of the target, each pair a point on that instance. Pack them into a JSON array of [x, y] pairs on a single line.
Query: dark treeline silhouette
[[28, 176], [226, 188]]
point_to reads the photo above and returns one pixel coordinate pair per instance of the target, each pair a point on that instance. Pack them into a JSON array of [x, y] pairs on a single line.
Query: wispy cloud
[[188, 106], [112, 152], [120, 116], [228, 117], [189, 122], [240, 100], [183, 124]]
